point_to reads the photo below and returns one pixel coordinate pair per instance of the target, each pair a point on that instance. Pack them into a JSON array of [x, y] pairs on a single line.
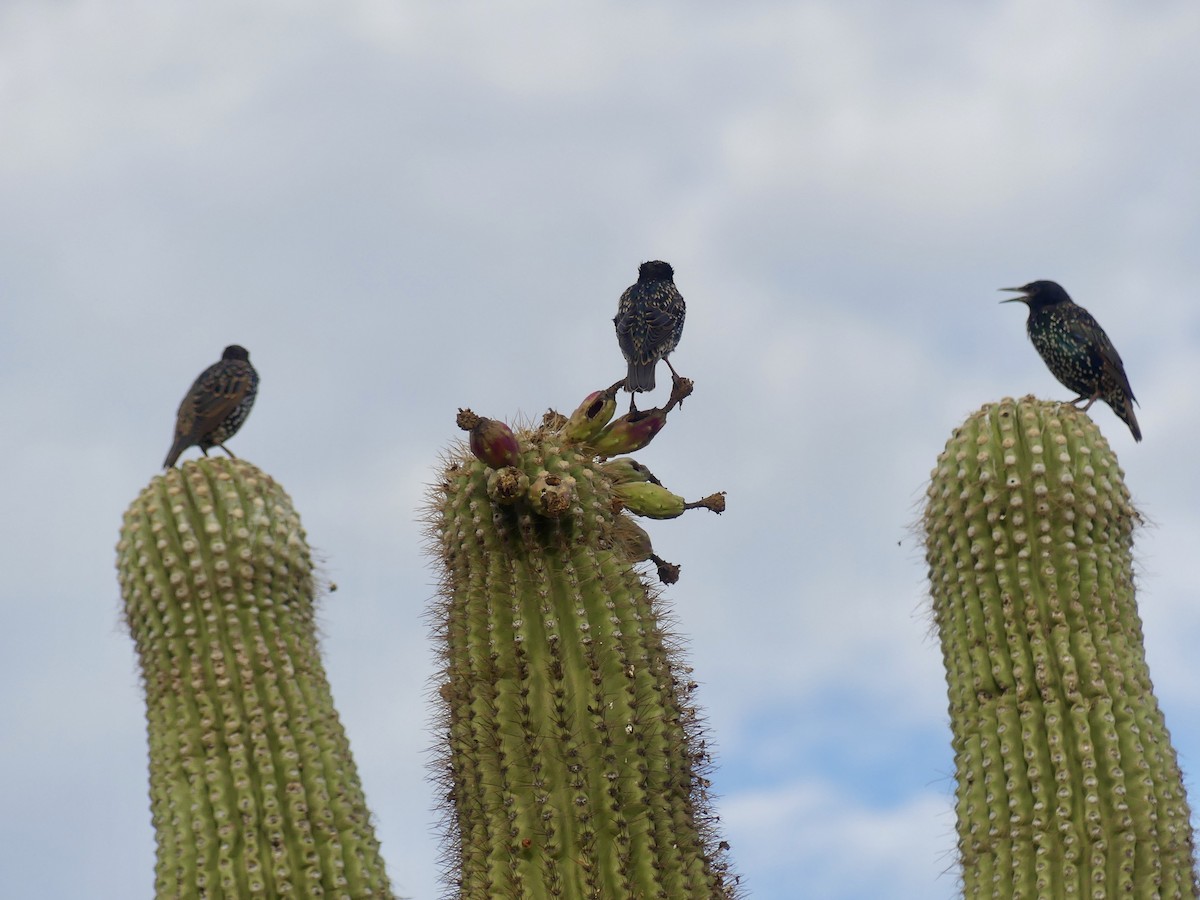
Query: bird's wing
[[1087, 331], [626, 325], [659, 326], [216, 393]]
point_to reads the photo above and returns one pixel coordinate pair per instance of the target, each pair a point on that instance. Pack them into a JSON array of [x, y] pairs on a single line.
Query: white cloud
[[805, 838]]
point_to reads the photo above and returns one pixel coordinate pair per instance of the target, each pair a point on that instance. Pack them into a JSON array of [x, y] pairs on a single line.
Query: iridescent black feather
[[1076, 349]]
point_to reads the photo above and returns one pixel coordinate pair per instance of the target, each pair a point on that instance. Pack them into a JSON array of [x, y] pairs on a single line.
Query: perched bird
[[216, 405], [649, 323], [1076, 349]]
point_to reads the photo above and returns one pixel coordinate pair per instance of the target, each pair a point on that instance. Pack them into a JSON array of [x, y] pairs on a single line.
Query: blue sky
[[405, 209]]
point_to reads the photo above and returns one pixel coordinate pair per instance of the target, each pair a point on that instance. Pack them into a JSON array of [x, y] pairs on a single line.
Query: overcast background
[[403, 208]]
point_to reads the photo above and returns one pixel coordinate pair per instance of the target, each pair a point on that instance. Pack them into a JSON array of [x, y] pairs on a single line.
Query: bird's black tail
[[1125, 413], [181, 444], [640, 377]]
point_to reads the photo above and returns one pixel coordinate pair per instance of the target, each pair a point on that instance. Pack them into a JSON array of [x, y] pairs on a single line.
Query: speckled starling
[[1076, 349], [649, 323], [216, 405]]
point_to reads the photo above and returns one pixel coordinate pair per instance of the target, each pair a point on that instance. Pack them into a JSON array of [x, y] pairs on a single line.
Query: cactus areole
[[253, 791], [574, 761], [1067, 782]]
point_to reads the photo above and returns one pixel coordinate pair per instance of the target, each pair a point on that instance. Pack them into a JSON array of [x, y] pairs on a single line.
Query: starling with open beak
[[1076, 349]]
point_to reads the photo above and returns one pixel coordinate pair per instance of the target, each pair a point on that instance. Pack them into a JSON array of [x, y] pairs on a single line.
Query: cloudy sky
[[403, 208]]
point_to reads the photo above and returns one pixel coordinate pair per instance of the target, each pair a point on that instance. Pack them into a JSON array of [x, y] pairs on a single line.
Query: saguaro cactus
[[253, 789], [1067, 781], [574, 761]]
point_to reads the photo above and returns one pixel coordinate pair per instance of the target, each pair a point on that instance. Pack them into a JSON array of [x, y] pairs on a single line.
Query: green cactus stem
[[1067, 782], [575, 760], [253, 790]]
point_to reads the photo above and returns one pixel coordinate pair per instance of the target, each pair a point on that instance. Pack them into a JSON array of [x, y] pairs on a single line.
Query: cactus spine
[[1067, 781], [574, 763], [253, 789]]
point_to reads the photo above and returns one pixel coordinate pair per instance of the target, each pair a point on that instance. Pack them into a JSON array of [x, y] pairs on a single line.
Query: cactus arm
[[573, 766], [253, 789], [1067, 782]]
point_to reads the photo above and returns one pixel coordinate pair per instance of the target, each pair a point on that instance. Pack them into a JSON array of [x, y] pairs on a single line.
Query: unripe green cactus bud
[[631, 432], [650, 500], [491, 441], [625, 469], [253, 789], [656, 502], [592, 415], [1067, 782]]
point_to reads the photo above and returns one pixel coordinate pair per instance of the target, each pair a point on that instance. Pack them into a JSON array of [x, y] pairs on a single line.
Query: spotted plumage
[[216, 405], [649, 323], [1076, 349]]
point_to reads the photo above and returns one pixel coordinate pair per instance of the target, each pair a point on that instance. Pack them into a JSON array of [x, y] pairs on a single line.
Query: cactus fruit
[[625, 469], [491, 441], [574, 763], [632, 432], [507, 485], [645, 498], [635, 543], [638, 428], [593, 414], [1067, 781], [253, 789], [650, 500]]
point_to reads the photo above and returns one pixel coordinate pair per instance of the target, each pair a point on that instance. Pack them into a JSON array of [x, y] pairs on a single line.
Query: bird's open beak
[[1024, 297]]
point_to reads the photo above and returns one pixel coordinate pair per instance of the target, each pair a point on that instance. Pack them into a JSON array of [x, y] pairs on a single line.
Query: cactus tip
[[715, 502], [668, 573], [681, 389], [466, 420]]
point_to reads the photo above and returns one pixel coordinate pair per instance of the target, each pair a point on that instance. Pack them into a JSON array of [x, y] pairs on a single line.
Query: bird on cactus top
[[1076, 349], [649, 323], [216, 405]]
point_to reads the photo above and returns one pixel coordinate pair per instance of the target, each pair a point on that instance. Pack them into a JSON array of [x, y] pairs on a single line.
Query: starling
[[649, 324], [216, 405], [1076, 349]]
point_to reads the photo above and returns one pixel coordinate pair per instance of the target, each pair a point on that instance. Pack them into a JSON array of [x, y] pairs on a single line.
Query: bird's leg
[[675, 376], [681, 387], [1092, 399], [204, 450], [632, 407], [227, 450]]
